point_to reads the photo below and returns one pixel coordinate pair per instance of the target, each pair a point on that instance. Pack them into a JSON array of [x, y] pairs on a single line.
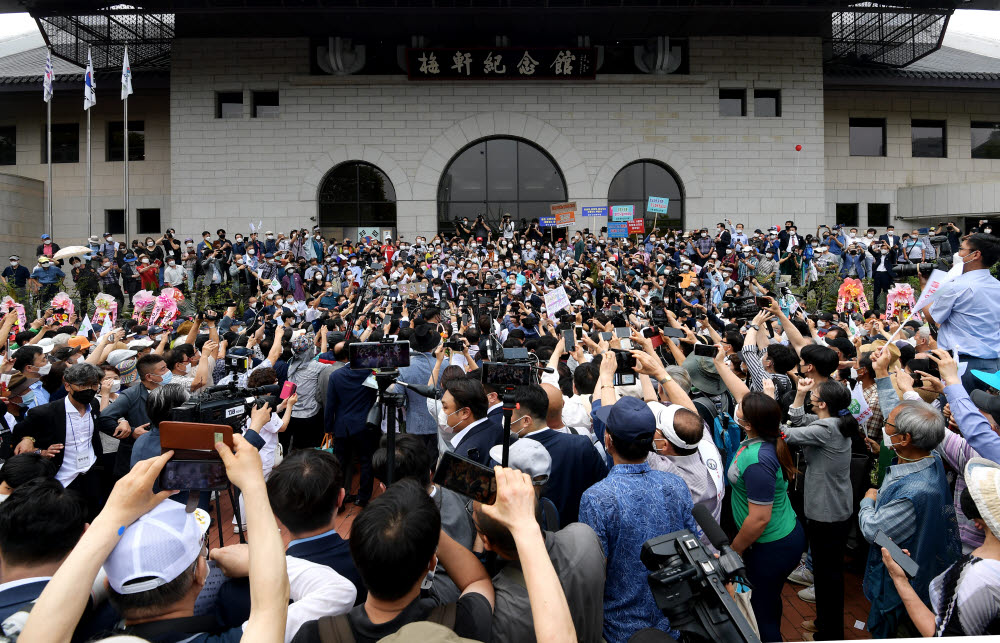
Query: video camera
[[689, 583], [226, 404], [923, 268]]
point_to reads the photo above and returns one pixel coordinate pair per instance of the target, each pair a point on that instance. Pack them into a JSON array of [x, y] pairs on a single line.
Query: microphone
[[543, 369], [421, 389], [711, 528], [729, 561]]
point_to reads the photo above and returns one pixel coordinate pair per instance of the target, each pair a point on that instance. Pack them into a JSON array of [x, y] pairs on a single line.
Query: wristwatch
[[666, 378]]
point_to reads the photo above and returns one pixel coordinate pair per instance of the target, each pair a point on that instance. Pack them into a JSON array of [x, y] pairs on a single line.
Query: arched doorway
[[499, 175], [354, 198], [639, 180]]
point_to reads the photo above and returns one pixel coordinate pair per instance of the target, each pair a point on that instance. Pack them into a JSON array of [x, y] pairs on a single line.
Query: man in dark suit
[[883, 259], [576, 465], [305, 491], [464, 404], [494, 401], [891, 238], [40, 523], [347, 405], [68, 430]]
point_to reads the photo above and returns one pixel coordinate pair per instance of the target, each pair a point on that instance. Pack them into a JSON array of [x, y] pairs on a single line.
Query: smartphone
[[197, 475], [653, 336], [606, 336], [465, 319], [379, 355], [673, 332], [626, 344], [623, 332], [908, 564], [466, 477], [578, 329], [570, 340], [705, 350], [503, 375], [288, 390], [763, 302]]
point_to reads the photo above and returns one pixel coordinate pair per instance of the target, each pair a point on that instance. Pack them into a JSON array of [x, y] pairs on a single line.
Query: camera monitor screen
[[500, 375], [378, 355]]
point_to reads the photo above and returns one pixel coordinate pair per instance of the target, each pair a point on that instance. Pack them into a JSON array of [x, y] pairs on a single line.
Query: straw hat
[[983, 478]]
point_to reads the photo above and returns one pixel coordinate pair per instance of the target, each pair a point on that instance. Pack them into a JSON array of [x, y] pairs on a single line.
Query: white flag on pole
[[126, 77], [859, 407], [932, 289], [89, 85], [107, 327], [85, 326], [47, 87]]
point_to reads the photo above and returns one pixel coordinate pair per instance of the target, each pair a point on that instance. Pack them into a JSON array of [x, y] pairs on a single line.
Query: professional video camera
[[226, 404], [689, 583], [924, 268], [745, 307]]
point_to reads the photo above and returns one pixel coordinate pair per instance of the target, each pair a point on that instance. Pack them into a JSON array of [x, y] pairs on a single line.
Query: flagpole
[[90, 209], [125, 102], [48, 155]]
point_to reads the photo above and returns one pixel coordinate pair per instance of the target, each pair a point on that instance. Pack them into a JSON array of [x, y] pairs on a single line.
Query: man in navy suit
[[347, 405], [464, 404], [305, 492], [576, 465], [891, 238]]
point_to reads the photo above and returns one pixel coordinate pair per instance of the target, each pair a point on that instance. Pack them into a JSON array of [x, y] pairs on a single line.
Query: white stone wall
[[149, 180], [21, 217], [919, 190], [232, 172]]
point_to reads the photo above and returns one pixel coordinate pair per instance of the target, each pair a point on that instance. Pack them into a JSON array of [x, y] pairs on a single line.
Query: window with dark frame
[[229, 105], [867, 136], [8, 145], [985, 140], [148, 220], [357, 194], [639, 180], [929, 138], [65, 143], [115, 149], [847, 214], [767, 103], [497, 176], [114, 221], [265, 104], [878, 215], [732, 102]]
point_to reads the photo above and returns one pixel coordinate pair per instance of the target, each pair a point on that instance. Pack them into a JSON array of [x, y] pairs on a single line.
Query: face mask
[[957, 259], [145, 261], [116, 385], [886, 439], [150, 244], [988, 230], [715, 256], [48, 241], [354, 262], [109, 239], [107, 265], [270, 236], [206, 239], [165, 379], [189, 245], [86, 396], [250, 251], [43, 371], [447, 419], [278, 302]]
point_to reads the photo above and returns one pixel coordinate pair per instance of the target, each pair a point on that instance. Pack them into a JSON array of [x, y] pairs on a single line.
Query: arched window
[[356, 195], [496, 176], [637, 181]]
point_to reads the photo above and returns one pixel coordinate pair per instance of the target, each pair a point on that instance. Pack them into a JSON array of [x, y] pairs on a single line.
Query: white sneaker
[[801, 576], [808, 594], [236, 529]]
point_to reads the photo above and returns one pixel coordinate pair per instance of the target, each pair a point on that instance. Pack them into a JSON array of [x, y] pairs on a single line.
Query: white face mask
[[43, 371], [116, 385], [250, 251], [278, 302], [4, 496], [886, 439]]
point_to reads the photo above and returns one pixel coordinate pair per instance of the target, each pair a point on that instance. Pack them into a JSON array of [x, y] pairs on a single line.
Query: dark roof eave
[[987, 82]]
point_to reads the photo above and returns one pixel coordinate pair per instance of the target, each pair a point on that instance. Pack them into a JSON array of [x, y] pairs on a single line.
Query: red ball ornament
[[798, 148]]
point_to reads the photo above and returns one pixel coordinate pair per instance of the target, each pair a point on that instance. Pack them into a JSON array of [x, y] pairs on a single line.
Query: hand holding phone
[[466, 477], [908, 565]]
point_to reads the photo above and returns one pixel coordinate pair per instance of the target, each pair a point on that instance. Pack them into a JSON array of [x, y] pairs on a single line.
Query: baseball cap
[[986, 402], [529, 456], [46, 344], [43, 260], [45, 236], [79, 342], [116, 357], [140, 343], [629, 418], [14, 258], [664, 415], [158, 547]]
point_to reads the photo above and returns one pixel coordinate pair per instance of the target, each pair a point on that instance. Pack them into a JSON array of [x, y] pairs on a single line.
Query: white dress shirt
[[78, 452]]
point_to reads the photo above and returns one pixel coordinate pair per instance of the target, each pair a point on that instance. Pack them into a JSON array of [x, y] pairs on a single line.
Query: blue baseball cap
[[629, 419], [45, 236]]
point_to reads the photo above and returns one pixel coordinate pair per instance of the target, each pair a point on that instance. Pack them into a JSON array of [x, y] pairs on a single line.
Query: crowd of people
[[674, 370]]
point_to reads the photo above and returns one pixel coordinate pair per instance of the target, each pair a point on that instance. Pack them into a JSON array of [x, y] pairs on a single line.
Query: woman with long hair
[[770, 538], [826, 439]]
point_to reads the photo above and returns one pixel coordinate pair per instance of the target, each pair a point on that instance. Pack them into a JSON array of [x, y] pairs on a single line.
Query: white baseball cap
[[664, 415], [158, 548], [528, 456], [46, 344]]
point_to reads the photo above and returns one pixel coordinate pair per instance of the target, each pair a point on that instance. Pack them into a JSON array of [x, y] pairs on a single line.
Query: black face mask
[[86, 396]]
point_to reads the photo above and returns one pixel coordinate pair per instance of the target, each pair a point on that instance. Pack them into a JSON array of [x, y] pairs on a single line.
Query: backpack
[[726, 433], [337, 629]]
